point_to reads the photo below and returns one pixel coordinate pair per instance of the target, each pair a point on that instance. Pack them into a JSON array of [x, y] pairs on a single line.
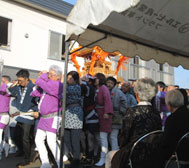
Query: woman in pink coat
[[104, 109]]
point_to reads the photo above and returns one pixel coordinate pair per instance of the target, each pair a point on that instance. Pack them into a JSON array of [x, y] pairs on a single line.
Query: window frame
[[9, 33], [61, 46]]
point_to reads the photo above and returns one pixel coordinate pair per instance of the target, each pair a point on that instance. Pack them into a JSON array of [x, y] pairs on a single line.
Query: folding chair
[[146, 145], [181, 154]]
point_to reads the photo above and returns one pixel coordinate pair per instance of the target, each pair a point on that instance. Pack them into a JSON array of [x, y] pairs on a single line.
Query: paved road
[[11, 161]]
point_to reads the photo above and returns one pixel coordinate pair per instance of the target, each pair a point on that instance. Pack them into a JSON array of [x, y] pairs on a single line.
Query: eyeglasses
[[51, 75]]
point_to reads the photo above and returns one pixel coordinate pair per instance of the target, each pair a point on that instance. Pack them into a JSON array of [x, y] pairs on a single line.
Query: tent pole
[[64, 104]]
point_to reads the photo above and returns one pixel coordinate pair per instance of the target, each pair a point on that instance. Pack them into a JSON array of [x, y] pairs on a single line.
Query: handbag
[[117, 119]]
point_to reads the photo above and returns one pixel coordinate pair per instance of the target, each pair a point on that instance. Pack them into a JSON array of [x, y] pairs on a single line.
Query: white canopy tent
[[157, 29], [151, 29]]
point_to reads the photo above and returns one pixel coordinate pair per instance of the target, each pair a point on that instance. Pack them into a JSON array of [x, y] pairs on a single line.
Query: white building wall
[[146, 69], [31, 52]]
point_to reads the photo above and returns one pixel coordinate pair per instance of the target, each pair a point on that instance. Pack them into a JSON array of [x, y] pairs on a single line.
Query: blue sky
[[71, 1], [181, 75]]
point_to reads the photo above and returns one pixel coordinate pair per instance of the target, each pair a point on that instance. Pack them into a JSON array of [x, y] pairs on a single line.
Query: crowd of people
[[102, 119]]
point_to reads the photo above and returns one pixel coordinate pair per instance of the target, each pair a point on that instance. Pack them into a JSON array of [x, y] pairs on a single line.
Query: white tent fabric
[[94, 12], [157, 29]]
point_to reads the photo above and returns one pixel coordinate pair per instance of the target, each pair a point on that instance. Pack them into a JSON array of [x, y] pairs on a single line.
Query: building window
[[136, 60], [161, 67], [56, 46], [166, 67], [136, 67], [5, 32], [161, 72]]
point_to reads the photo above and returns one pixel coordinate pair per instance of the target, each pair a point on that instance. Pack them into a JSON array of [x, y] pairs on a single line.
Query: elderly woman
[[138, 121], [49, 89]]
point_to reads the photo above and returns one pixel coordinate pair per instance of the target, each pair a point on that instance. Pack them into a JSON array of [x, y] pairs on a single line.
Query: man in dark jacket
[[21, 89], [177, 124]]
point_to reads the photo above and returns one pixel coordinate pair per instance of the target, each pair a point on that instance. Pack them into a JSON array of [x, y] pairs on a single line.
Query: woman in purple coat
[[50, 92], [104, 109]]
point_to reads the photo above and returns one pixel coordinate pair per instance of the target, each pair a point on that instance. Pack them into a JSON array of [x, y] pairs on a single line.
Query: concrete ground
[[11, 161]]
